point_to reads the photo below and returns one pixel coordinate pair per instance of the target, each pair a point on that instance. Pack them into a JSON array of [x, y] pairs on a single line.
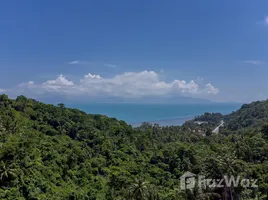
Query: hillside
[[53, 152], [254, 114]]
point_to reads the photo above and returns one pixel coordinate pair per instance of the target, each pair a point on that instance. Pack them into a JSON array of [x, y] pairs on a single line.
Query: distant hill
[[249, 115], [211, 118], [254, 115]]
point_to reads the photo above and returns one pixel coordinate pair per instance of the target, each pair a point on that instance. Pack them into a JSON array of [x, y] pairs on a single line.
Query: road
[[217, 129]]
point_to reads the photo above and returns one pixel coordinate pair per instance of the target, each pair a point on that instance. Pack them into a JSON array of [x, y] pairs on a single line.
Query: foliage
[[54, 152]]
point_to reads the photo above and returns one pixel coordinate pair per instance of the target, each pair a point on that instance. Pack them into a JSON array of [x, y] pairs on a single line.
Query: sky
[[208, 49]]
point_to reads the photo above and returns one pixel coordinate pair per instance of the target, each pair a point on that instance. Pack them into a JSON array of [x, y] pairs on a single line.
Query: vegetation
[[249, 115], [52, 152]]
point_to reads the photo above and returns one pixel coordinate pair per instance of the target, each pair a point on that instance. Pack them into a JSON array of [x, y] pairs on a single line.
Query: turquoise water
[[163, 114]]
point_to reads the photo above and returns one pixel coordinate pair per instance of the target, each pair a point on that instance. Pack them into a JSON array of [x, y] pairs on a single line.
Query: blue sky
[[207, 49]]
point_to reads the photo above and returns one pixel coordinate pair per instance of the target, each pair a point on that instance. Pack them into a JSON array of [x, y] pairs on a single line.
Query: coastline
[[165, 122]]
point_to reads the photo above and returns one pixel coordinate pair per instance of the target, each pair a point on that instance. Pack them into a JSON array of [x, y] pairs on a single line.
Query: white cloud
[[2, 90], [79, 62], [110, 65], [253, 62], [129, 85], [60, 81], [89, 75], [210, 89]]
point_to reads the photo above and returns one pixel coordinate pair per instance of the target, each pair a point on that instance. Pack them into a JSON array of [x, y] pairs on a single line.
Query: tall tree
[[139, 190]]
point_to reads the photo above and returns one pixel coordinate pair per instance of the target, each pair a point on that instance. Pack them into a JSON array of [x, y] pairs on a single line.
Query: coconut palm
[[229, 166], [218, 166], [7, 172], [139, 190]]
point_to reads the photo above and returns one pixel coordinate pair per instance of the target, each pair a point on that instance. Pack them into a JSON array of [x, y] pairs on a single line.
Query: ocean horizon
[[163, 114]]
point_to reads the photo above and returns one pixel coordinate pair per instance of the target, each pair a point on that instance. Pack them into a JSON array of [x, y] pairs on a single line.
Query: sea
[[162, 114]]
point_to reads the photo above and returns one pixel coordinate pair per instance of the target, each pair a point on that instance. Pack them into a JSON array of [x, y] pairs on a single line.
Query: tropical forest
[[51, 152]]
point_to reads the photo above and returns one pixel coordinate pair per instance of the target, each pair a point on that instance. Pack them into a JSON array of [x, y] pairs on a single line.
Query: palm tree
[[7, 172], [139, 190], [229, 165], [218, 166]]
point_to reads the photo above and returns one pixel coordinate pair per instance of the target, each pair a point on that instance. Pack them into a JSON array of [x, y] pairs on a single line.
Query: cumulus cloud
[[89, 75], [132, 84], [210, 89], [129, 85], [60, 81]]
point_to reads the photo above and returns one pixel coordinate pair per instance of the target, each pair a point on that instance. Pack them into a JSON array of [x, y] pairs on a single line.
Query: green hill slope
[[52, 152], [249, 115]]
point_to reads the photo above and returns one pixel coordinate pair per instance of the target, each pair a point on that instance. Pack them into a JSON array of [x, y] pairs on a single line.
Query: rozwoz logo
[[189, 181]]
